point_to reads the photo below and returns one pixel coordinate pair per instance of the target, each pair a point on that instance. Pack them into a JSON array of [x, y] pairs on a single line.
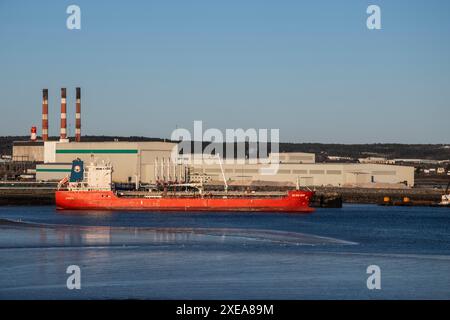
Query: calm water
[[226, 255]]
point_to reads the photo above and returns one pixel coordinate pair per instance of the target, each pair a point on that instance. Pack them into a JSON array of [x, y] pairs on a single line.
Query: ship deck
[[190, 194]]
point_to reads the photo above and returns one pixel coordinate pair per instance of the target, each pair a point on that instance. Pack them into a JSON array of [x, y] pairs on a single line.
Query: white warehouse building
[[131, 161], [317, 174], [148, 162]]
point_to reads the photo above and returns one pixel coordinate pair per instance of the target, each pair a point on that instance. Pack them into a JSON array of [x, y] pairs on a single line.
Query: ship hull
[[295, 201]]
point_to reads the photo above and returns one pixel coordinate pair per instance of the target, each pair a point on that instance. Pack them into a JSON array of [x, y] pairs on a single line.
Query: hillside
[[422, 151]]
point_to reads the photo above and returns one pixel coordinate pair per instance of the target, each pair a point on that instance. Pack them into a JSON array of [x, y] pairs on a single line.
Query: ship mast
[[223, 173]]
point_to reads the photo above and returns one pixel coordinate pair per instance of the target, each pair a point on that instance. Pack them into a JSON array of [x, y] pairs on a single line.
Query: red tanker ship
[[90, 189]]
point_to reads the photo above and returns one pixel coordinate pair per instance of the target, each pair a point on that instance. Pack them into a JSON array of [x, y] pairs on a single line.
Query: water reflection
[[101, 236], [21, 234]]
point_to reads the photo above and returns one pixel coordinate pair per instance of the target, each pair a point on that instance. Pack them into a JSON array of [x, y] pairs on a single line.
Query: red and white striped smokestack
[[45, 114], [63, 131], [78, 116], [33, 134]]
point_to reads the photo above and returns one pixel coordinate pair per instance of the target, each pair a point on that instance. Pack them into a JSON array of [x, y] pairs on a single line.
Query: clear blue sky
[[310, 68]]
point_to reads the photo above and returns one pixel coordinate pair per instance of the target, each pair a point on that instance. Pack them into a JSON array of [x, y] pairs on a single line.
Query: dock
[[35, 193]]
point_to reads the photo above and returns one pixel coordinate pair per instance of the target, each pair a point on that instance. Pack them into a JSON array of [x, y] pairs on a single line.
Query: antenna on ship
[[223, 173]]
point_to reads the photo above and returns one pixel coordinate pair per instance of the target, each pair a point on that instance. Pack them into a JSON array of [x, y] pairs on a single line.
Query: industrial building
[[314, 174], [144, 162], [28, 151], [150, 162]]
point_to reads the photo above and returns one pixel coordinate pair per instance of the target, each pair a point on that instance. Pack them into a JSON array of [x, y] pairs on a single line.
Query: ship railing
[[209, 194], [86, 188], [83, 186]]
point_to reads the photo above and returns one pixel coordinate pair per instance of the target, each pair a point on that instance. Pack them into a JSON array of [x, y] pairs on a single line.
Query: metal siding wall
[[125, 162], [32, 153], [124, 165], [348, 173], [53, 173], [50, 176]]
